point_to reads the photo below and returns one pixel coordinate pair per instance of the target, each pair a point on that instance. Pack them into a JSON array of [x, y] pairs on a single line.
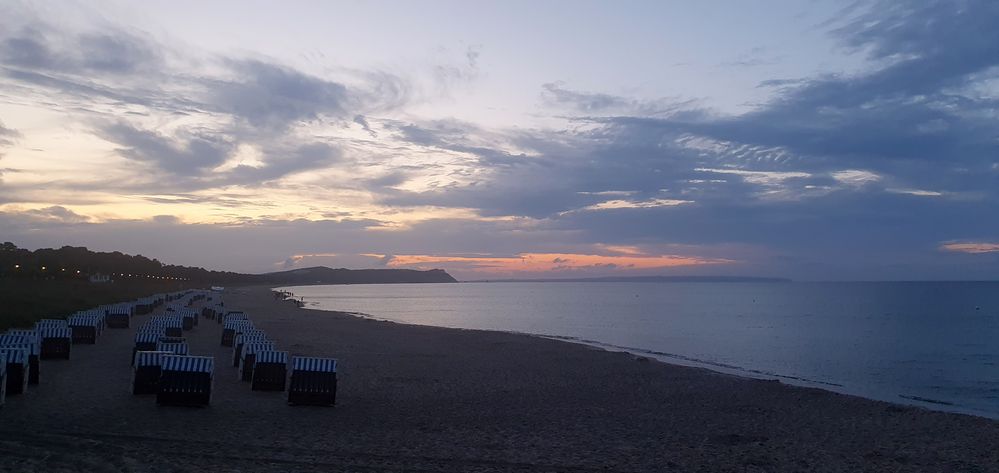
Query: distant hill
[[324, 275], [650, 279], [79, 264]]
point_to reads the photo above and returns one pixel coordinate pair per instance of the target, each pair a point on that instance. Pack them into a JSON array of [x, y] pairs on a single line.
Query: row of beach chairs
[[310, 380], [52, 339]]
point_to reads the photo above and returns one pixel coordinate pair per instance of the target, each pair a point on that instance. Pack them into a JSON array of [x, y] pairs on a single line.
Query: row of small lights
[[17, 266]]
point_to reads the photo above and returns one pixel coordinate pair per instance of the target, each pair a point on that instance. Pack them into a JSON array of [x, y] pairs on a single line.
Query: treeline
[[79, 263]]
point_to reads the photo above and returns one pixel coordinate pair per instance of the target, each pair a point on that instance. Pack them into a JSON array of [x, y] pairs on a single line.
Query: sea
[[932, 344]]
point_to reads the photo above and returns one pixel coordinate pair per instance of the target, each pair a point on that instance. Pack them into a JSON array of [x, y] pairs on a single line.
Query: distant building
[[98, 278]]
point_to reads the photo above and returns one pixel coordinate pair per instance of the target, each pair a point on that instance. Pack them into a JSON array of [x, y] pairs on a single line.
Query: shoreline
[[441, 400], [901, 399]]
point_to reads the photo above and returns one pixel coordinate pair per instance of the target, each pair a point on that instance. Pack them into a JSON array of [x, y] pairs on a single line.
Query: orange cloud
[[971, 247], [542, 262]]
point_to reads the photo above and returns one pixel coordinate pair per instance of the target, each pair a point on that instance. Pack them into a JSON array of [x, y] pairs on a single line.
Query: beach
[[418, 398]]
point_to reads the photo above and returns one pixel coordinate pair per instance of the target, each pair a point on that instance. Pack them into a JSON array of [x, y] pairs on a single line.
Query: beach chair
[[231, 327], [119, 316], [177, 348], [55, 342], [270, 371], [189, 318], [243, 336], [313, 381], [31, 337], [16, 365], [146, 340], [186, 380], [84, 327], [232, 315], [249, 357], [173, 325], [147, 370]]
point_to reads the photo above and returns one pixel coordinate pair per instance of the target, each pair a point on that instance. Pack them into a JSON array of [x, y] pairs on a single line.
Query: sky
[[814, 140]]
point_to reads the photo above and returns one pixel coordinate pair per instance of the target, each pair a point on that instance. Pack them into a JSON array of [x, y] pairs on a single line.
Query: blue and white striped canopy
[[7, 339], [30, 335], [150, 358], [249, 336], [308, 363], [81, 320], [55, 332], [51, 323], [241, 324], [172, 321], [256, 346], [148, 337], [31, 348], [194, 364], [120, 309], [16, 356], [272, 356], [175, 348]]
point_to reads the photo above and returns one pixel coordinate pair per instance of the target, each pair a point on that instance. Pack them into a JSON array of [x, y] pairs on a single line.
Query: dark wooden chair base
[[312, 389], [269, 377], [55, 348], [181, 388], [147, 380]]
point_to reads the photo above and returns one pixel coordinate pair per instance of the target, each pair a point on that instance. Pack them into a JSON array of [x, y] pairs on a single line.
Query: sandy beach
[[415, 398]]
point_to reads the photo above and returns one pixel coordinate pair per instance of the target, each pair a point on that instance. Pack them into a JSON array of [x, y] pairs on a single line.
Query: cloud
[[281, 161], [56, 214], [267, 95], [360, 120], [42, 48], [971, 247], [7, 136], [555, 94], [188, 154]]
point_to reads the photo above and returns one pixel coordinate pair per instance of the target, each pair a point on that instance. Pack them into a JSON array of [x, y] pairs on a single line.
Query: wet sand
[[415, 398]]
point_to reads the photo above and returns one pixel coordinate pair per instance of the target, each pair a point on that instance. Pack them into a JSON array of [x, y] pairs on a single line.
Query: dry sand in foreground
[[417, 398]]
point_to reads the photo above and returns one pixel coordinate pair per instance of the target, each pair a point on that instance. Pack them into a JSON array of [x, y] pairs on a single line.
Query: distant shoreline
[[680, 279]]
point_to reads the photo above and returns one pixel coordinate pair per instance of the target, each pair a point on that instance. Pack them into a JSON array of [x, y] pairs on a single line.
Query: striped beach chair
[[119, 316], [147, 370], [55, 341], [17, 369], [171, 324], [270, 371], [233, 315], [146, 341], [231, 327], [177, 348], [313, 381], [188, 317], [84, 327], [242, 338], [31, 337], [249, 357], [186, 380]]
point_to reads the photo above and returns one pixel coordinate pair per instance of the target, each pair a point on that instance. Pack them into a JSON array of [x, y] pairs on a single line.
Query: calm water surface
[[938, 342]]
